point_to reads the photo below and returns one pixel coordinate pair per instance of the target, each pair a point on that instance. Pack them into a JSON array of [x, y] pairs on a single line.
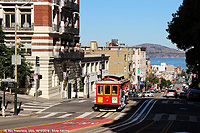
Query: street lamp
[[15, 99], [88, 96], [76, 96]]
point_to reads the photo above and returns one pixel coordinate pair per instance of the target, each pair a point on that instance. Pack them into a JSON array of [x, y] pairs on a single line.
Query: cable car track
[[136, 118]]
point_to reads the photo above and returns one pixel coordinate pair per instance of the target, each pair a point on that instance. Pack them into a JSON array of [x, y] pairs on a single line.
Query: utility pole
[[15, 99], [3, 108], [88, 95], [76, 96], [67, 79], [102, 64], [37, 66]]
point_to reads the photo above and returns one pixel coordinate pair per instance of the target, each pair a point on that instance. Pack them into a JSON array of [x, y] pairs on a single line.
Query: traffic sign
[[18, 59]]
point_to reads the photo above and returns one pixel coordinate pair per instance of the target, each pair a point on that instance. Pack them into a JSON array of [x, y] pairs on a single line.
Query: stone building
[[127, 60], [46, 28]]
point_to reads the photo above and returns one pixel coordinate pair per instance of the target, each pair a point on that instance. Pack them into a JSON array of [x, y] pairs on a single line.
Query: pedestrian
[[123, 98], [126, 94]]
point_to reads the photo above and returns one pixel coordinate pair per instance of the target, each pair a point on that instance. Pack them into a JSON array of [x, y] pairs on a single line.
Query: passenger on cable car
[[126, 94], [123, 98]]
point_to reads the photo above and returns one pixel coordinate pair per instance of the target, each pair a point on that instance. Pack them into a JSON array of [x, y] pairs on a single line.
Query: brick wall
[[43, 15]]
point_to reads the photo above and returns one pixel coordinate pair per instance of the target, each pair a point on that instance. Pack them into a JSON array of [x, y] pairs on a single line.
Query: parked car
[[134, 94], [183, 95], [152, 90], [140, 94], [171, 93], [148, 94], [193, 94]]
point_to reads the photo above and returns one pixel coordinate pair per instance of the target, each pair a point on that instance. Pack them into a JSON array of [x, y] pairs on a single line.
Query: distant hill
[[158, 51]]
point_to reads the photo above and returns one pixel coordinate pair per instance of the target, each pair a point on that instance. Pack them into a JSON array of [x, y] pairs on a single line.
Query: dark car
[[183, 95], [193, 94]]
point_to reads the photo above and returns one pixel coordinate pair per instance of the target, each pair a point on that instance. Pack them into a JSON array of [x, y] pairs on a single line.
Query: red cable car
[[109, 92]]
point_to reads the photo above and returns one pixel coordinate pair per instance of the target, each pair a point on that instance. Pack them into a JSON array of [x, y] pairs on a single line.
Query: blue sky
[[132, 22]]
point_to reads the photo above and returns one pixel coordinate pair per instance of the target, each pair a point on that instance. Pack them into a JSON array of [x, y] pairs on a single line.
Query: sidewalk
[[21, 99]]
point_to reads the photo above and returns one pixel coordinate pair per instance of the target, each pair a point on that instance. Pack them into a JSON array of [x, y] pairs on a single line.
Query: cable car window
[[107, 89], [114, 90], [100, 89]]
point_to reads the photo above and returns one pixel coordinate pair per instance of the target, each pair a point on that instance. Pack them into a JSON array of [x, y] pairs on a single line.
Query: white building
[[92, 72]]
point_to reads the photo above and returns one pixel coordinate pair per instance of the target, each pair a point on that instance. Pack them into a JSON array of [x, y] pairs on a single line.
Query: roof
[[108, 82], [115, 75]]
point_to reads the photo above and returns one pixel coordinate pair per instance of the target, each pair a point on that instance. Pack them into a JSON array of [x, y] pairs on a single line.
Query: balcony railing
[[55, 2], [70, 55], [71, 5], [70, 30], [55, 28], [19, 27], [16, 0]]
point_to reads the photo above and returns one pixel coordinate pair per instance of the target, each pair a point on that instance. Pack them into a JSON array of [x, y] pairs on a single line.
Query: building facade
[[130, 61], [92, 71], [48, 29]]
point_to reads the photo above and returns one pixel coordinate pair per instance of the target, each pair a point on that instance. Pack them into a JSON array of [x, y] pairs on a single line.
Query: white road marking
[[84, 115], [172, 117], [82, 101], [26, 106], [193, 118], [49, 115], [101, 114], [191, 103], [157, 117], [175, 102], [165, 102], [32, 109], [63, 116], [107, 114], [120, 115]]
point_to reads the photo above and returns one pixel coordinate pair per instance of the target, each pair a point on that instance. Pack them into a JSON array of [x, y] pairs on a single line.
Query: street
[[158, 114], [141, 114]]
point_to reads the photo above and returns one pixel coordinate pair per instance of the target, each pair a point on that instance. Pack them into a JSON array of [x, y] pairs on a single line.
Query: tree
[[152, 80], [23, 70], [6, 67], [184, 31], [165, 83], [2, 36]]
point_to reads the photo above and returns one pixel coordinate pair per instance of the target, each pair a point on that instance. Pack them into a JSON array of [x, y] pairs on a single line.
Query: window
[[129, 57], [96, 67], [26, 20], [10, 20], [125, 57], [114, 90], [100, 89], [107, 89], [124, 69]]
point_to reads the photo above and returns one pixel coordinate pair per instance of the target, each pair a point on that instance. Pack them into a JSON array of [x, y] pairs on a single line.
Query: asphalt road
[[158, 114]]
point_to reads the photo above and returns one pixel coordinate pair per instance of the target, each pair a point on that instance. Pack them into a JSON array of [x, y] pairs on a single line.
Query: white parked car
[[148, 94], [140, 94], [171, 93]]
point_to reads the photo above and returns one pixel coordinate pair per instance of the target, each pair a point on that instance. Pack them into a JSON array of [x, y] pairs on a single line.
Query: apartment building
[[92, 71], [127, 60], [45, 28]]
